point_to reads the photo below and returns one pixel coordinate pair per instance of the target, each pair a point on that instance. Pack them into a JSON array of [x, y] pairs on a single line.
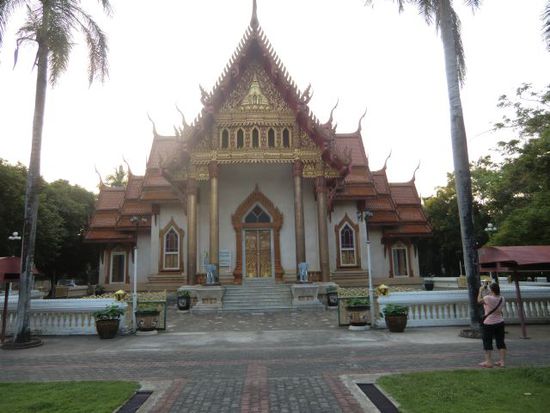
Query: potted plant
[[428, 283], [396, 317], [184, 300], [332, 297], [147, 317], [358, 309], [107, 320]]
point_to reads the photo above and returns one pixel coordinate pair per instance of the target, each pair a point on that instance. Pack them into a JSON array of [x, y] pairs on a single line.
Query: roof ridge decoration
[[415, 171], [360, 120], [387, 159], [101, 184], [254, 23], [127, 166], [155, 133]]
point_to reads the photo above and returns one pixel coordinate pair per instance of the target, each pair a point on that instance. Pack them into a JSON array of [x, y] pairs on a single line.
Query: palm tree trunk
[[22, 327], [463, 179]]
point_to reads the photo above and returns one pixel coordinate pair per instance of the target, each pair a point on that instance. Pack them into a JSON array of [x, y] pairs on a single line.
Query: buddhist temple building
[[255, 185]]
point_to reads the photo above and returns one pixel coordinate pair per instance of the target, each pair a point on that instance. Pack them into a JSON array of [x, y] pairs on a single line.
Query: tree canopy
[[63, 215], [511, 189]]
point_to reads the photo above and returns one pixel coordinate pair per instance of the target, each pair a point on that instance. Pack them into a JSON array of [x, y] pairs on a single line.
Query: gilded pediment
[[255, 93]]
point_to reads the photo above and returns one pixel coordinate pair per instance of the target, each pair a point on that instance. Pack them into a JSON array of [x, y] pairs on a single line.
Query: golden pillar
[[213, 255], [321, 189], [297, 170], [191, 190]]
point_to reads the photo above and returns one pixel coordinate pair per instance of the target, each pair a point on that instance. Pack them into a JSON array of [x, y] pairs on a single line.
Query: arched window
[[240, 138], [171, 250], [286, 138], [347, 246], [225, 139], [255, 138], [271, 138], [257, 215], [347, 240]]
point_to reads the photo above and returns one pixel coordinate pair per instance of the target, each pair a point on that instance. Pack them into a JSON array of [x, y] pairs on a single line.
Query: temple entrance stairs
[[257, 294]]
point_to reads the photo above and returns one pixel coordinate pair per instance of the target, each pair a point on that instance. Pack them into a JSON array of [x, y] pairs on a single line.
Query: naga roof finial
[[101, 184], [329, 122], [254, 23], [127, 166], [387, 159], [414, 173], [360, 120], [154, 126]]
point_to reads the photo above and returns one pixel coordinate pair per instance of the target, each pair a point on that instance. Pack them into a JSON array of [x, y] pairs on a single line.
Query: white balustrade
[[62, 316], [448, 308]]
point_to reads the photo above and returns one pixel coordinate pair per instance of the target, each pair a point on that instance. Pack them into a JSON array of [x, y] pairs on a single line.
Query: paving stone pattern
[[258, 363]]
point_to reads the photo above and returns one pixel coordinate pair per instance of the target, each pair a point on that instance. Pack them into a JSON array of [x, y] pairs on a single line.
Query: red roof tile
[[163, 149], [404, 193], [110, 198], [354, 142]]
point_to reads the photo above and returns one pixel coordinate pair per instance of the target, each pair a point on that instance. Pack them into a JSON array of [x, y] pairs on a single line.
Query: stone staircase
[[257, 294]]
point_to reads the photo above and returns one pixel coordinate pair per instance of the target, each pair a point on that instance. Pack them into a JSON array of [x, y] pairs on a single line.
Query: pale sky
[[364, 56]]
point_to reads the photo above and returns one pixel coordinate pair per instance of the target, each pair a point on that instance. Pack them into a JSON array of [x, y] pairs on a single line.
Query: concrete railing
[[447, 308], [452, 282], [62, 316]]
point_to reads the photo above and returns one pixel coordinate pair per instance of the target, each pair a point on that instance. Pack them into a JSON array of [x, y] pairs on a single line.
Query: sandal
[[486, 365], [499, 363]]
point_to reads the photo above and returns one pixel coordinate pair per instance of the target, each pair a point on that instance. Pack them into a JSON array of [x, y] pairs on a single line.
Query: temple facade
[[255, 185]]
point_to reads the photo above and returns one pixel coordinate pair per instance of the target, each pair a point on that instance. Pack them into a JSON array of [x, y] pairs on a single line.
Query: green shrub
[[111, 312], [395, 309], [357, 302]]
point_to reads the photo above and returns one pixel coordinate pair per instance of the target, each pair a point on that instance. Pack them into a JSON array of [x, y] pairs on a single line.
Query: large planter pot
[[429, 285], [358, 315], [107, 328], [147, 320], [396, 323], [184, 303]]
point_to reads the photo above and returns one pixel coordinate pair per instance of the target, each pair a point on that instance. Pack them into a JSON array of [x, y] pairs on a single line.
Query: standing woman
[[493, 324]]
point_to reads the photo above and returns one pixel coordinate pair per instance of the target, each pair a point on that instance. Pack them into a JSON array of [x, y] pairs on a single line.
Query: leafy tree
[[516, 188], [513, 191], [118, 178], [442, 14], [12, 201], [50, 25], [442, 253], [63, 214]]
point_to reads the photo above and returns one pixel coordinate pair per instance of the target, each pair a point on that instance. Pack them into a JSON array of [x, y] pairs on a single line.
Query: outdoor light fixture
[[365, 215], [135, 220]]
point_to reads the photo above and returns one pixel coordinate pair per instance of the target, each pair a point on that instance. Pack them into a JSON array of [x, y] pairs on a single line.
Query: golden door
[[258, 252]]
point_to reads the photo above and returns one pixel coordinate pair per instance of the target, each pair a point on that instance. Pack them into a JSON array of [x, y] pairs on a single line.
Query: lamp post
[[14, 237], [491, 229], [136, 220], [365, 215]]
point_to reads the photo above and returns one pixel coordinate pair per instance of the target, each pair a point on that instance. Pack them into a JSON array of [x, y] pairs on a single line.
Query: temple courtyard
[[260, 362]]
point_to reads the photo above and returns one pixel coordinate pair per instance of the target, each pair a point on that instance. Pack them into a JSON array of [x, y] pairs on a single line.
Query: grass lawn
[[63, 397], [482, 391]]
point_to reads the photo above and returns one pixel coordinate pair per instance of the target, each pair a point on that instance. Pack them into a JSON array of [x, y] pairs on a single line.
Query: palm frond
[[459, 48], [95, 40], [6, 8], [546, 24]]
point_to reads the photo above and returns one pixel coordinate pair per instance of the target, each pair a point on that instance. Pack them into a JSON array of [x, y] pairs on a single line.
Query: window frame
[[124, 254], [164, 232], [395, 249], [224, 135], [240, 134], [171, 253], [347, 222]]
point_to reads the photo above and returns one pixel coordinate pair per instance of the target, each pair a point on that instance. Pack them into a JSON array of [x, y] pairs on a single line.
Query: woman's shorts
[[495, 331]]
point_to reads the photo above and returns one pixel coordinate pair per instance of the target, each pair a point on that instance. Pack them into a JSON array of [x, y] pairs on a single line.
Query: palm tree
[[50, 25], [118, 178], [442, 14]]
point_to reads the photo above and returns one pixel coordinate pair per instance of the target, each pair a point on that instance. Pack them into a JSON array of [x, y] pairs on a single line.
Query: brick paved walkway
[[258, 363]]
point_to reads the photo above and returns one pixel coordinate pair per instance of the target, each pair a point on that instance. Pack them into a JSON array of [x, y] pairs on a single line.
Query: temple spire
[[254, 23]]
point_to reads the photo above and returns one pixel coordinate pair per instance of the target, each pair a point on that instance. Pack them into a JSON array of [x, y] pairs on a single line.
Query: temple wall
[[236, 183]]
